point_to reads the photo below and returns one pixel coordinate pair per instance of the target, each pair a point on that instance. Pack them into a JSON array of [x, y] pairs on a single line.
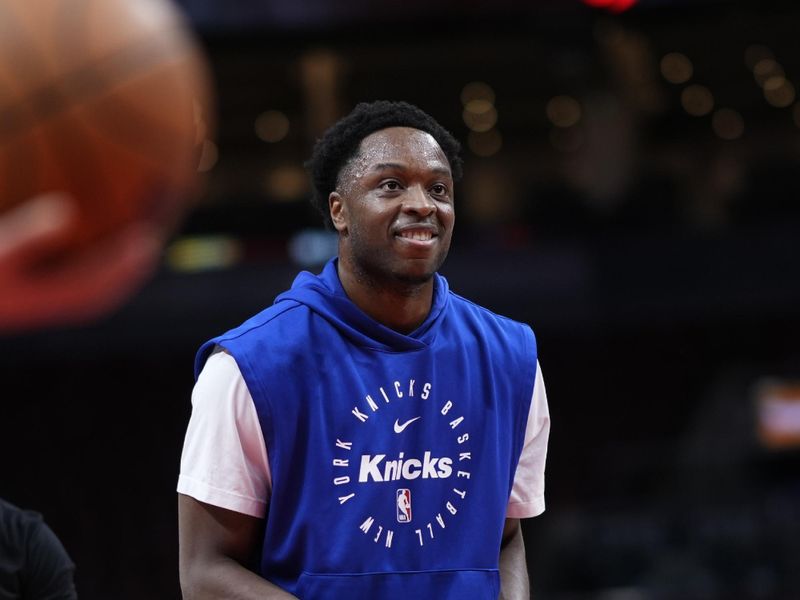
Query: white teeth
[[420, 236]]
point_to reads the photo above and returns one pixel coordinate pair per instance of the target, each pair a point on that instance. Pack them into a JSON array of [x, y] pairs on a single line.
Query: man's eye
[[390, 186], [439, 189]]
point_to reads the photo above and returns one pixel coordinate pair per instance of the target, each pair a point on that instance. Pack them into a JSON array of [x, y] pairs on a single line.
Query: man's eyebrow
[[400, 167]]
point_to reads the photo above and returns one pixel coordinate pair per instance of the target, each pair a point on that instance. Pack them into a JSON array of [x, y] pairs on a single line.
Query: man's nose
[[417, 200]]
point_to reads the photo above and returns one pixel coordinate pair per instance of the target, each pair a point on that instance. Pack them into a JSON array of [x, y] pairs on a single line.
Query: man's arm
[[513, 568], [216, 548]]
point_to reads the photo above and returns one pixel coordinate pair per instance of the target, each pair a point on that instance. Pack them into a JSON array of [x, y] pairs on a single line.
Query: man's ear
[[338, 212]]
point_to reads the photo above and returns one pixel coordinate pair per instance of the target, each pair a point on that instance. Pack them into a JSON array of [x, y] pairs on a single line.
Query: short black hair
[[341, 142]]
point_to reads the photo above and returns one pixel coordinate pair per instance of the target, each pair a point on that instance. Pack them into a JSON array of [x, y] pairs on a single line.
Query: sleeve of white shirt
[[224, 460], [527, 493]]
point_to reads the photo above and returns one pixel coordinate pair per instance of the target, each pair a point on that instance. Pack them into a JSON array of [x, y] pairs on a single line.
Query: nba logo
[[403, 505]]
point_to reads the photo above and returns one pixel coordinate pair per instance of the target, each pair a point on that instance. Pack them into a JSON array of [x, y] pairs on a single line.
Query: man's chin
[[416, 273], [415, 279]]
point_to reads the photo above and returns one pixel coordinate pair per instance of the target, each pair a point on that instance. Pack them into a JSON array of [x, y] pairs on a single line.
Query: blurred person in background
[[33, 563]]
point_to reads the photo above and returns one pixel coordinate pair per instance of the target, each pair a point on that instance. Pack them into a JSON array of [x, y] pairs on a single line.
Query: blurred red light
[[621, 5], [616, 6]]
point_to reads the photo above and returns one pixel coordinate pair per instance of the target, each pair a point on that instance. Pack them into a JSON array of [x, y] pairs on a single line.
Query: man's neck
[[399, 306]]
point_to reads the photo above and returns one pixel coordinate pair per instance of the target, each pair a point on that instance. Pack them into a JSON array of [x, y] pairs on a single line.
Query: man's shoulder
[[468, 309], [276, 327], [475, 326], [283, 315], [18, 523]]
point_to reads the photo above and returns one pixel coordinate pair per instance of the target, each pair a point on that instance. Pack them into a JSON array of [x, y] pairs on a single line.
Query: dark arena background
[[632, 191]]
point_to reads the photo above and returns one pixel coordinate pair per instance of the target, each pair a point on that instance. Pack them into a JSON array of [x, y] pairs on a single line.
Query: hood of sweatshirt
[[325, 295]]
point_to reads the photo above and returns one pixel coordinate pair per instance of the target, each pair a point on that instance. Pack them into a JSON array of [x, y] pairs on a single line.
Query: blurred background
[[632, 191]]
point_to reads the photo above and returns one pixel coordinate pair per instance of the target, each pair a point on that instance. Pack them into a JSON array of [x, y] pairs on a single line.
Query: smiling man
[[371, 435]]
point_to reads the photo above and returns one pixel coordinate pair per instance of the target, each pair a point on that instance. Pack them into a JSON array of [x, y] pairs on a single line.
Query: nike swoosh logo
[[400, 428]]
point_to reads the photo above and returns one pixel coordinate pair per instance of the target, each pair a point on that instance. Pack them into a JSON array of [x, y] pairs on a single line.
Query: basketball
[[107, 100]]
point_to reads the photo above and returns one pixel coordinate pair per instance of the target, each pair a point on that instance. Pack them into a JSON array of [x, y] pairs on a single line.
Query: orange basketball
[[108, 100]]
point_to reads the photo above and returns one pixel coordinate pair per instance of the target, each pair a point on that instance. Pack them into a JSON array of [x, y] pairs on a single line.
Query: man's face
[[393, 207]]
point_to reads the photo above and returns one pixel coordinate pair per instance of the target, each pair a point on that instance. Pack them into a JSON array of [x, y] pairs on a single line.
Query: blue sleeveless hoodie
[[392, 455]]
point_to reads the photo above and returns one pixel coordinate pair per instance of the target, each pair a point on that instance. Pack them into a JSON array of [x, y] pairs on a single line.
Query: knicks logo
[[377, 469], [438, 473], [403, 505]]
